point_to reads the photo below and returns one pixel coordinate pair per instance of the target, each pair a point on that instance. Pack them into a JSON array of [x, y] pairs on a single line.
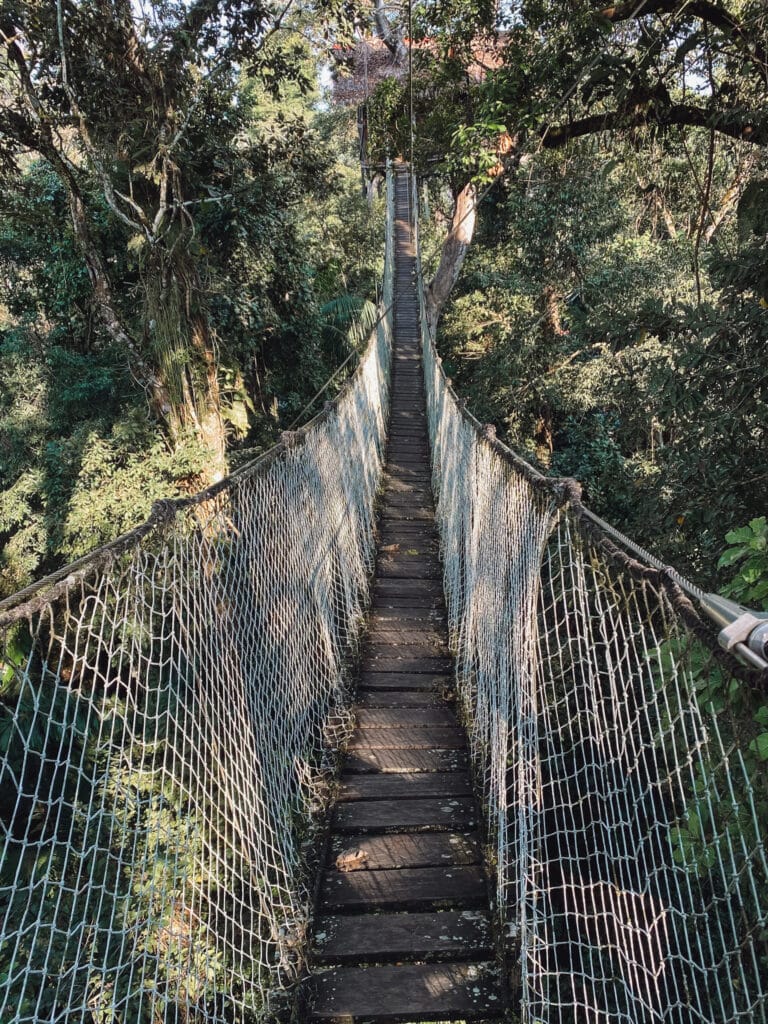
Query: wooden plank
[[422, 631], [414, 437], [407, 992], [434, 682], [405, 786], [409, 551], [433, 814], [407, 587], [413, 568], [409, 443], [421, 606], [417, 536], [405, 457], [410, 545], [438, 738], [408, 534], [412, 718], [404, 625], [405, 888], [420, 512], [405, 498], [425, 651], [371, 938], [418, 462], [417, 486], [410, 849], [419, 473], [371, 759], [410, 453], [398, 699], [407, 618], [410, 665]]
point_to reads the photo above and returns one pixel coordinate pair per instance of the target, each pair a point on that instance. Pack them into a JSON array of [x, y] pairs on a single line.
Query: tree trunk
[[390, 34], [106, 310], [201, 408], [455, 248], [209, 421]]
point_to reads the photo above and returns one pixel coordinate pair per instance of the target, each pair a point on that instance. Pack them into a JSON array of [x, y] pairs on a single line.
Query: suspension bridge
[[243, 784]]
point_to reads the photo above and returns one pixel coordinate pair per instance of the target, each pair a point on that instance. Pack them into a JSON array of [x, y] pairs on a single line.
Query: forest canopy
[[185, 249], [598, 186], [184, 252]]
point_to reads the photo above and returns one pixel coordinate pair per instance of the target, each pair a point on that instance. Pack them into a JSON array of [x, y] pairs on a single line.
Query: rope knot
[[163, 510], [568, 491]]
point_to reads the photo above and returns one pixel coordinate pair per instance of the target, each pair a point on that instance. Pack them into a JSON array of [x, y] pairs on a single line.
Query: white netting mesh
[[168, 714], [631, 872]]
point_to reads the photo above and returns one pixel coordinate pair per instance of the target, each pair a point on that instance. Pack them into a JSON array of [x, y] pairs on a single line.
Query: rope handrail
[[171, 709], [164, 510], [614, 745], [743, 632]]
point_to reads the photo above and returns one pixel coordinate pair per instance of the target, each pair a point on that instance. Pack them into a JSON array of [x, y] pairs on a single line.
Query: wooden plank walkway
[[402, 930]]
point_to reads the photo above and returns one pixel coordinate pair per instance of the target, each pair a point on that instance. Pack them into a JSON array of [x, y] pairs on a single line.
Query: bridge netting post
[[169, 709], [609, 737]]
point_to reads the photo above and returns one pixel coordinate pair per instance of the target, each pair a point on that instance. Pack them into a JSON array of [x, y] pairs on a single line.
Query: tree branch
[[704, 10], [389, 34], [673, 115]]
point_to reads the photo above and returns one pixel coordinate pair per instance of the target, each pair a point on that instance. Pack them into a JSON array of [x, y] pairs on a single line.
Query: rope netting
[[609, 741], [169, 710]]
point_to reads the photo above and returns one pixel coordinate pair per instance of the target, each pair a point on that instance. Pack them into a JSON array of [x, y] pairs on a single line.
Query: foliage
[[748, 551], [281, 234], [577, 329]]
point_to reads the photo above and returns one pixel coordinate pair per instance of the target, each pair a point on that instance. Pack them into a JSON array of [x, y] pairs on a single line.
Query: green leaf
[[731, 555], [759, 746]]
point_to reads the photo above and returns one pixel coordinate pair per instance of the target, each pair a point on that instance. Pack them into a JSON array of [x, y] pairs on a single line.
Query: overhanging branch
[[675, 115], [706, 11]]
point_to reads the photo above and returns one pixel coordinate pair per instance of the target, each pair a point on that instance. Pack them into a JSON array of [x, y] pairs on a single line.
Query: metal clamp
[[742, 632]]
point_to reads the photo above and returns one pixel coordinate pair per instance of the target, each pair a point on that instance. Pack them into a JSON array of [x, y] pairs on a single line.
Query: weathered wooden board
[[409, 588], [405, 718], [405, 888], [377, 651], [421, 631], [399, 699], [409, 992], [421, 513], [431, 681], [411, 850], [410, 665], [373, 938], [405, 786], [407, 618], [376, 759], [434, 814], [443, 738], [407, 568]]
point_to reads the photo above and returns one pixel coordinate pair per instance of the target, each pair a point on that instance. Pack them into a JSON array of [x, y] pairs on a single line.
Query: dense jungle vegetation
[[185, 256], [610, 316], [184, 250]]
